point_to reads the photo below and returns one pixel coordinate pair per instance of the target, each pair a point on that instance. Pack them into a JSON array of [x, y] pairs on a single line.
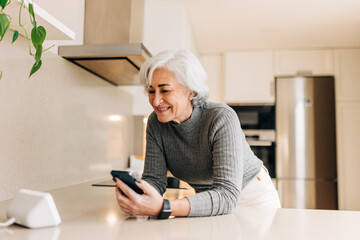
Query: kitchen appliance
[[258, 124], [113, 41], [305, 142]]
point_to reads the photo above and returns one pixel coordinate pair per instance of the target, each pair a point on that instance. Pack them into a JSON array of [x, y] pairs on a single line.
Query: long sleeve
[[227, 155], [155, 169]]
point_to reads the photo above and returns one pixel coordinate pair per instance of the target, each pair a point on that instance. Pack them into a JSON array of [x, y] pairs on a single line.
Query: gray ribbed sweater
[[208, 151]]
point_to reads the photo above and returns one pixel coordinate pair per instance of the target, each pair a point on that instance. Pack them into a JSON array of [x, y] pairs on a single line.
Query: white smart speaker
[[34, 209]]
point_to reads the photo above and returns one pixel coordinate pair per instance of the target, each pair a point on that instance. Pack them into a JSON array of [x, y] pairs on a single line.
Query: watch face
[[166, 210], [164, 214]]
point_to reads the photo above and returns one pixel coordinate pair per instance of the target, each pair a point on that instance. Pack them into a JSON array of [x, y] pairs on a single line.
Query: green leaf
[[34, 23], [4, 25], [0, 74], [3, 3], [38, 53], [15, 36], [31, 10], [38, 35], [35, 67]]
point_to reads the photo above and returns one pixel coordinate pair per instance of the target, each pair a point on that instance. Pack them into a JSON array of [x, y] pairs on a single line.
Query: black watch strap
[[165, 211]]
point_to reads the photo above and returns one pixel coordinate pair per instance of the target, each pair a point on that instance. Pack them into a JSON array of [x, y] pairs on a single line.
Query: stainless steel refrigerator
[[305, 142]]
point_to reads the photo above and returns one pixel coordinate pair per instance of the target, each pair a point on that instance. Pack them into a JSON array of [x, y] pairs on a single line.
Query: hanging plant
[[37, 36]]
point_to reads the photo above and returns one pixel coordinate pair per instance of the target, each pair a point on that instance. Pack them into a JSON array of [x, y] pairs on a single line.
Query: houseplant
[[38, 33]]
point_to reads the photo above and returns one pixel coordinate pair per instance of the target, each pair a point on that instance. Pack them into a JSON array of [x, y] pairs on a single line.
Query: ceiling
[[227, 25]]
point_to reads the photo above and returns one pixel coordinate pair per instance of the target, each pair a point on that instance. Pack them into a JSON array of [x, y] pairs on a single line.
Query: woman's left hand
[[147, 204]]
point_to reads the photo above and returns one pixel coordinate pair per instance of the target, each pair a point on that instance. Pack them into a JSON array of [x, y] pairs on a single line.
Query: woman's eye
[[151, 91], [165, 91]]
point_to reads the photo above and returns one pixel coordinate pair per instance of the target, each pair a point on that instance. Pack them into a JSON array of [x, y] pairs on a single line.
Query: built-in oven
[[258, 124]]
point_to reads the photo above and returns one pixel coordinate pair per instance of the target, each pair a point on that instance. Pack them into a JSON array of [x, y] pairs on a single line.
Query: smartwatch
[[165, 211]]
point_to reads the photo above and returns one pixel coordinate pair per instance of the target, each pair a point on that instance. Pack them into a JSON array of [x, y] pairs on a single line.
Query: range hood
[[113, 48]]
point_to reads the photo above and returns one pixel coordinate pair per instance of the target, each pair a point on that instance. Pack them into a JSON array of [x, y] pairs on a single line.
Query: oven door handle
[[259, 143]]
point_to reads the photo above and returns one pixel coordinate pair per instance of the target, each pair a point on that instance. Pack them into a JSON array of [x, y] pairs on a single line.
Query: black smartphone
[[127, 178]]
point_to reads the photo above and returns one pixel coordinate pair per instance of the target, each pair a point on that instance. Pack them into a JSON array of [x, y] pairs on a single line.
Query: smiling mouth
[[162, 109]]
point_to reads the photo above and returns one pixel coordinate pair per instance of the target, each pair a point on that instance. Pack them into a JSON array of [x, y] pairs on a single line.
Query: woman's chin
[[164, 119]]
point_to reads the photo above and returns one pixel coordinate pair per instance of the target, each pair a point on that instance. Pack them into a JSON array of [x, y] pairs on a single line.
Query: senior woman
[[200, 143]]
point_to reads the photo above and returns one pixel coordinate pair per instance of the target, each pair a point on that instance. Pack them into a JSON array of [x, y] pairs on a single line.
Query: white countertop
[[92, 213]]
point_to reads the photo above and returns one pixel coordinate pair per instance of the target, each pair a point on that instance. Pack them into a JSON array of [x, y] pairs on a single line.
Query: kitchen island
[[92, 213]]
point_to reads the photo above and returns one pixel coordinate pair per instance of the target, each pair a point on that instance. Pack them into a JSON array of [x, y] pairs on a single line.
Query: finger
[[146, 187], [117, 190], [131, 194], [123, 200], [131, 209], [119, 193], [124, 203], [125, 210], [124, 207]]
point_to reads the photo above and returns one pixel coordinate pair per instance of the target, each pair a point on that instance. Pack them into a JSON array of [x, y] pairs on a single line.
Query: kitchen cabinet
[[249, 77], [311, 62], [55, 29], [347, 83], [214, 70], [347, 74], [348, 138]]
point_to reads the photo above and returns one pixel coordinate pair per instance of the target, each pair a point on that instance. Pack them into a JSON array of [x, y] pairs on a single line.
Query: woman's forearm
[[180, 207]]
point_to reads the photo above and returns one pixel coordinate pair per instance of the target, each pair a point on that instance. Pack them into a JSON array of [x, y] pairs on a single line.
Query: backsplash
[[60, 127]]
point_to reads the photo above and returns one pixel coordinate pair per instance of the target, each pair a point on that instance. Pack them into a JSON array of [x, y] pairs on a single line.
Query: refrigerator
[[306, 142]]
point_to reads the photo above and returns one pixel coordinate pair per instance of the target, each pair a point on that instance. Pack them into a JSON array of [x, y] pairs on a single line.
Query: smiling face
[[170, 100]]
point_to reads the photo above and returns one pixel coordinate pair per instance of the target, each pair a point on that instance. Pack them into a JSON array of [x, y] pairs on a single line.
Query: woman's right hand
[[147, 204]]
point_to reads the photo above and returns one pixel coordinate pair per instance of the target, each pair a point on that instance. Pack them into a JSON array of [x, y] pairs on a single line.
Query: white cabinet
[[347, 74], [347, 83], [348, 139], [213, 67], [249, 77], [315, 62], [55, 28]]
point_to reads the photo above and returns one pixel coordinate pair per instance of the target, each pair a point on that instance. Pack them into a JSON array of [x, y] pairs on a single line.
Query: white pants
[[260, 192]]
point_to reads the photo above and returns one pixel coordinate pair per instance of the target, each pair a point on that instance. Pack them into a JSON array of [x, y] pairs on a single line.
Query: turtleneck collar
[[191, 123]]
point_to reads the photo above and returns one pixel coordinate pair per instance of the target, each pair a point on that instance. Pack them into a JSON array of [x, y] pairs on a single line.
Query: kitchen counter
[[92, 213]]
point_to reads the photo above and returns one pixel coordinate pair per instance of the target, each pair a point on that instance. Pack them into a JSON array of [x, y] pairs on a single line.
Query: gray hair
[[186, 68]]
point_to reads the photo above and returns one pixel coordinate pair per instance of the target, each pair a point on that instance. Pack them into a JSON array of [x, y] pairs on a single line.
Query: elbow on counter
[[227, 202], [213, 202]]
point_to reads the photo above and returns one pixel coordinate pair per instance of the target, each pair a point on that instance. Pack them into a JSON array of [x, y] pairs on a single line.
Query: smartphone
[[127, 178]]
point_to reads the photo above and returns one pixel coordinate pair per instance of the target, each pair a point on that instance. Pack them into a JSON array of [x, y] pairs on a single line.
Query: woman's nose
[[157, 100]]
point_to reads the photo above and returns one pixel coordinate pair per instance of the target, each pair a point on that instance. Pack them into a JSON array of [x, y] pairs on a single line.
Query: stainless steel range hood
[[113, 48]]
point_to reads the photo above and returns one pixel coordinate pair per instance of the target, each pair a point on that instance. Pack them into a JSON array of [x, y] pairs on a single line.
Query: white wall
[[54, 127], [140, 102]]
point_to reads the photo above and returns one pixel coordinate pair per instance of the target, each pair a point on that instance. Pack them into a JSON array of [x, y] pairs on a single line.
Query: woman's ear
[[192, 95]]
